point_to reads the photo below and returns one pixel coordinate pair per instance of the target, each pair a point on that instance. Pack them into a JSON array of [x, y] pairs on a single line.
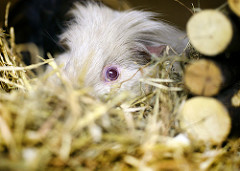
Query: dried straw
[[68, 129]]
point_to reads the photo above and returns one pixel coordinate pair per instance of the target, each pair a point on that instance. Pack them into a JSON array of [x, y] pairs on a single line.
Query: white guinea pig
[[107, 47]]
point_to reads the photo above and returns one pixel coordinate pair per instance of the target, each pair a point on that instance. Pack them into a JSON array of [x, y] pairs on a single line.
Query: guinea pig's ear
[[144, 54], [156, 50]]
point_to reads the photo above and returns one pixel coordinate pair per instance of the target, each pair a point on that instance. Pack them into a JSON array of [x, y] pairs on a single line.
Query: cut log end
[[210, 32], [235, 6], [205, 120], [203, 77], [236, 99]]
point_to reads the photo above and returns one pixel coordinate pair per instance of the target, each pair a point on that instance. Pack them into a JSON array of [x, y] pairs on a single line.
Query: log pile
[[214, 79]]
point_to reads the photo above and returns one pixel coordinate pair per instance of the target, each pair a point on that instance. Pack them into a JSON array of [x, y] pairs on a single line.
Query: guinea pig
[[108, 48]]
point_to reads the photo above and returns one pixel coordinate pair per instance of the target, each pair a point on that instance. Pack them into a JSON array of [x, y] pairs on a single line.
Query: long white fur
[[99, 36]]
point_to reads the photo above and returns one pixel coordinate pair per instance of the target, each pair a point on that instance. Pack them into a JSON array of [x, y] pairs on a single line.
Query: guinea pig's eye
[[111, 73]]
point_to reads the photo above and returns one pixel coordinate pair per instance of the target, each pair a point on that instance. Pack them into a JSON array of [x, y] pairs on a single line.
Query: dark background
[[171, 10]]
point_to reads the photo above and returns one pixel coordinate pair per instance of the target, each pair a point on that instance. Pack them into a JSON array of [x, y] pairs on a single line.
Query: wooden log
[[210, 32], [236, 99], [206, 120], [203, 78], [207, 77], [235, 6]]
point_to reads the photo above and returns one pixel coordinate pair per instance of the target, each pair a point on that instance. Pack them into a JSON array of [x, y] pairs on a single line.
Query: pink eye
[[110, 73]]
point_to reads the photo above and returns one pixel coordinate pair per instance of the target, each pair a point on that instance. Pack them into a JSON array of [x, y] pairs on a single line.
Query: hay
[[68, 129]]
